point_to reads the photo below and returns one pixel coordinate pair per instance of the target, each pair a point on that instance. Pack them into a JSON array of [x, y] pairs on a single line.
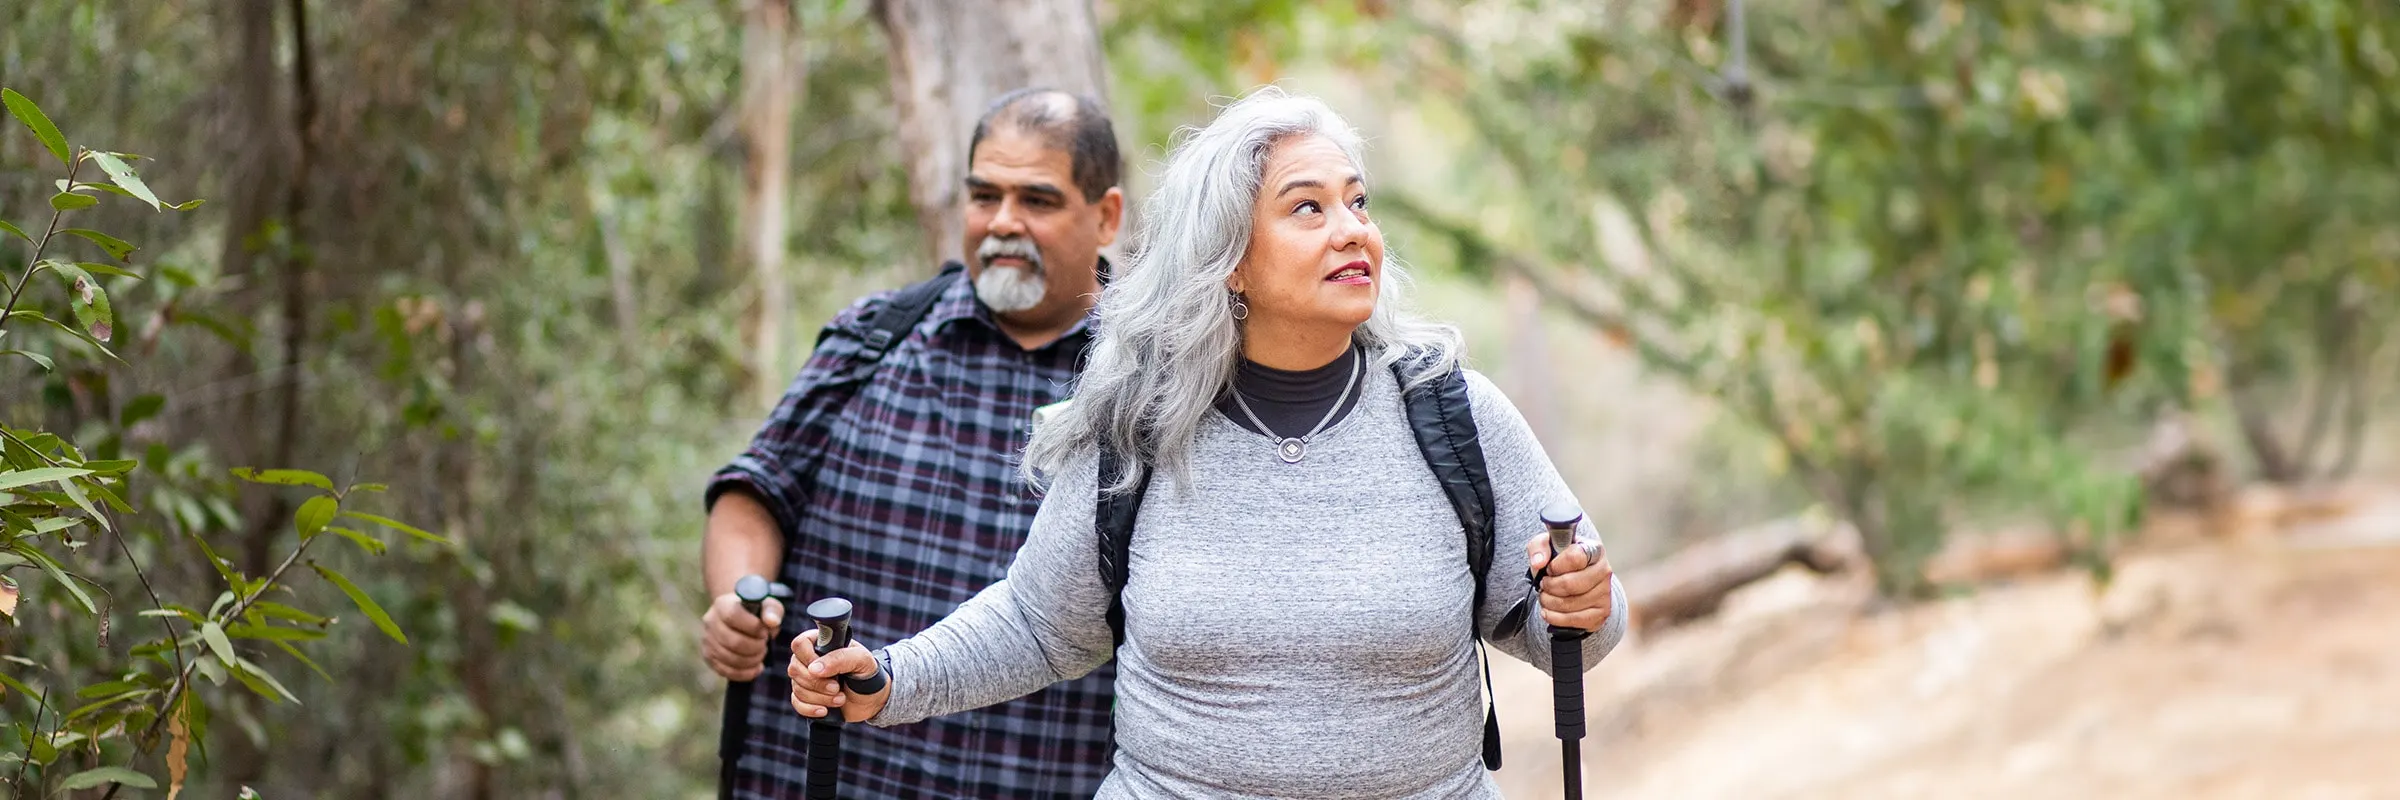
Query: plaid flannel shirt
[[896, 487]]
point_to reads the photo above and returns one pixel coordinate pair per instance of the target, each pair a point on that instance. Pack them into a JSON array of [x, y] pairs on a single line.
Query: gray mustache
[[1011, 247]]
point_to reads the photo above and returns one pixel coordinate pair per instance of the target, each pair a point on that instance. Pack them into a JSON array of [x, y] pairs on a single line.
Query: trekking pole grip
[[832, 616], [1566, 657], [752, 591]]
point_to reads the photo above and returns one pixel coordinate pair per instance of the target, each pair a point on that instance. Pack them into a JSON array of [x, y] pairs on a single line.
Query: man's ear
[[1112, 215]]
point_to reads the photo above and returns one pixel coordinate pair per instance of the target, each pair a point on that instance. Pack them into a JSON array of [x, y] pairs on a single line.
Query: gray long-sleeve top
[[1292, 630]]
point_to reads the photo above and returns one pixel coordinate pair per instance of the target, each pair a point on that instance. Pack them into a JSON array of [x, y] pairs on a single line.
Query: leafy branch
[[49, 487]]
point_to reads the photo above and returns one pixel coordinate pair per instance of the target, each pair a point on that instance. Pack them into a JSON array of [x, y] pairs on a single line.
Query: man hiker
[[887, 475]]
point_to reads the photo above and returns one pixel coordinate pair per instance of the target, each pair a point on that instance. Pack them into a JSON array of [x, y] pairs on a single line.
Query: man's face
[[1033, 243]]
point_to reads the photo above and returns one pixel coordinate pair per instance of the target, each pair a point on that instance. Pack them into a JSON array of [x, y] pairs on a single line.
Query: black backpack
[[899, 315], [1444, 423]]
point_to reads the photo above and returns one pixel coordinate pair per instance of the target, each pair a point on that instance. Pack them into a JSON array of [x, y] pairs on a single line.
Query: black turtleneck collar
[[1290, 402]]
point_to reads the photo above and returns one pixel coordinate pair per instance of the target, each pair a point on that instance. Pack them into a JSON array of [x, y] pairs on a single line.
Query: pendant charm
[[1292, 450]]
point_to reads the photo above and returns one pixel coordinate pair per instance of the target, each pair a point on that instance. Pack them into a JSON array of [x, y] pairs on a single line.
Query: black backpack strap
[[1444, 423], [892, 323], [1113, 520], [1443, 420]]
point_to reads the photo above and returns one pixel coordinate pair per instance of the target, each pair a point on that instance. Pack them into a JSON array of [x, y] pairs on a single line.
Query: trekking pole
[[1566, 657], [825, 733], [753, 591]]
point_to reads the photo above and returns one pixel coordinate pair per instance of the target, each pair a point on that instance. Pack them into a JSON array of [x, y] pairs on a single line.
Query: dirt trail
[[2259, 666]]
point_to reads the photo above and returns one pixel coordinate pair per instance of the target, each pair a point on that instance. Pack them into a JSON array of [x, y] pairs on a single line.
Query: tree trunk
[[771, 79], [256, 140], [295, 290], [479, 667], [246, 761], [949, 60]]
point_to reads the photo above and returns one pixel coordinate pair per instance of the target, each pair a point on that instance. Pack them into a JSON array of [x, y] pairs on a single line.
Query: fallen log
[[1694, 582]]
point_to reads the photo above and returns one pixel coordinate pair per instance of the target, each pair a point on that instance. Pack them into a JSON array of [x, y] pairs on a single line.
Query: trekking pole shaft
[[825, 755], [1566, 695], [734, 729]]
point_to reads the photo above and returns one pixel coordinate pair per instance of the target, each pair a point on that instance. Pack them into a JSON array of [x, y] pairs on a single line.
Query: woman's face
[[1314, 254]]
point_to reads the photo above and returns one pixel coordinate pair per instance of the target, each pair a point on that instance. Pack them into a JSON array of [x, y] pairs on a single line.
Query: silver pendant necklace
[[1294, 448]]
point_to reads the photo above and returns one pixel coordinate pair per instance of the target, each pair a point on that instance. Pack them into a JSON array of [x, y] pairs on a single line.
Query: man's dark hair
[[1074, 123]]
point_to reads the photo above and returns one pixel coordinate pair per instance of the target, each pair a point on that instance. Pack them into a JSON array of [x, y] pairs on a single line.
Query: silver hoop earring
[[1241, 310]]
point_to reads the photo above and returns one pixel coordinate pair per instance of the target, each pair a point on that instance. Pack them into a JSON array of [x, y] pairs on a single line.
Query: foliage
[[516, 248], [1940, 253], [1930, 245], [58, 497]]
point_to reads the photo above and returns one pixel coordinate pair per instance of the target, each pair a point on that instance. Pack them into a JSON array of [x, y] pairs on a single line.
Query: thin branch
[[119, 530], [45, 457], [183, 676], [42, 705], [30, 262], [164, 620]]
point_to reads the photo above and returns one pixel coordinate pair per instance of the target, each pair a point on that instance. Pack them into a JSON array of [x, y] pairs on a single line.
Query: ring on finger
[[1591, 551]]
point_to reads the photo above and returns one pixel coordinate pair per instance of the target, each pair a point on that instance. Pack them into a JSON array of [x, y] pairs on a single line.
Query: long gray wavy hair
[[1167, 343]]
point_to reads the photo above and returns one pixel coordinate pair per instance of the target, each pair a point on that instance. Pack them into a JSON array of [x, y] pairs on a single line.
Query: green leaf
[[99, 705], [210, 669], [83, 501], [370, 487], [195, 716], [89, 299], [70, 201], [20, 688], [114, 467], [35, 357], [281, 611], [141, 408], [284, 477], [244, 630], [365, 604], [110, 270], [30, 114], [224, 570], [107, 775], [69, 330], [215, 635], [4, 226], [59, 574], [118, 249], [123, 176], [11, 480], [259, 681], [314, 515], [107, 496], [372, 545], [109, 688], [397, 525], [187, 205], [288, 648]]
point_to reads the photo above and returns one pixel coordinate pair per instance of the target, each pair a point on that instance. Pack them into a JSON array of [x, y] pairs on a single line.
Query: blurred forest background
[[1874, 272]]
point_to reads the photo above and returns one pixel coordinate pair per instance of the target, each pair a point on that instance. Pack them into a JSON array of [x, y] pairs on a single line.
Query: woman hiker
[[1300, 616]]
